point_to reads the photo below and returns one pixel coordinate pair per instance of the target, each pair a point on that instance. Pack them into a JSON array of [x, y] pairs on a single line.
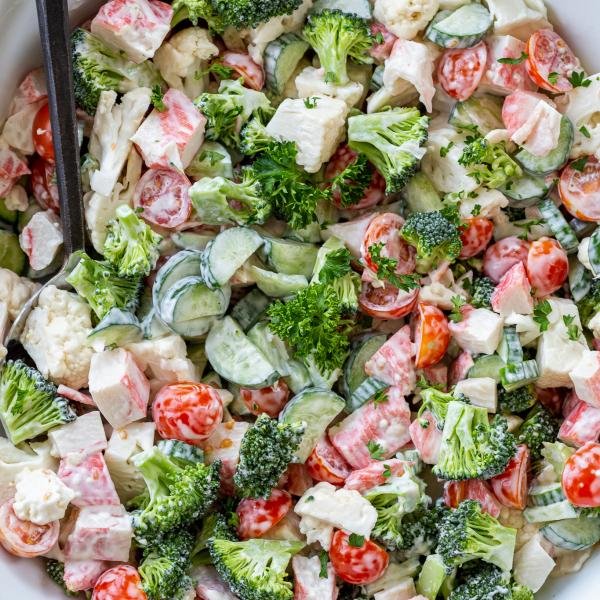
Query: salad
[[337, 330]]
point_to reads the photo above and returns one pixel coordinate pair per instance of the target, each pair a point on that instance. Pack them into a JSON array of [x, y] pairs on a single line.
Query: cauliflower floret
[[41, 497], [99, 209], [519, 18], [316, 530], [110, 143], [183, 57], [405, 18], [15, 291], [165, 359], [489, 201], [437, 294], [311, 82], [55, 336]]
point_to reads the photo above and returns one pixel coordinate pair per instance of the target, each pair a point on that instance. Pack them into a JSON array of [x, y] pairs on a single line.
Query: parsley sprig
[[514, 61], [386, 269], [540, 315], [573, 330]]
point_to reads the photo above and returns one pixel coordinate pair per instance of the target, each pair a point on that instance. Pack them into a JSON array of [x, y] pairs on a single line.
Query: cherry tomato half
[[163, 195], [41, 132], [269, 400], [581, 476], [510, 487], [460, 71], [43, 184], [187, 411], [24, 538], [357, 565], [258, 515], [503, 255], [432, 335], [475, 235], [119, 583], [325, 463], [471, 489], [547, 266], [579, 190], [550, 61], [386, 302], [252, 74]]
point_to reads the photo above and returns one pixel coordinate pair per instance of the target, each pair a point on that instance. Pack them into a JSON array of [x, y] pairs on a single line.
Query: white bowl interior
[[578, 21]]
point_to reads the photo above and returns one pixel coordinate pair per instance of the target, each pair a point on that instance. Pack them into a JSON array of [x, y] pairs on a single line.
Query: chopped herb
[[444, 151], [578, 79], [584, 131], [380, 397], [386, 269], [514, 61], [473, 194], [423, 383], [323, 559], [233, 520], [476, 210], [157, 99], [457, 304], [310, 102], [572, 329], [336, 265], [218, 69], [527, 226], [355, 540], [375, 450], [212, 156], [379, 39], [579, 164], [540, 314], [310, 499], [387, 472], [553, 77]]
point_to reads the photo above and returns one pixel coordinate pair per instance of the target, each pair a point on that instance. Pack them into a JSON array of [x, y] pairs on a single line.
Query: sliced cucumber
[[180, 265], [483, 112], [460, 28], [553, 161], [582, 229], [550, 512], [154, 327], [281, 59], [117, 328], [544, 495], [573, 534], [580, 279], [364, 392], [360, 8], [6, 215], [421, 195], [235, 358], [11, 255], [277, 285], [299, 377], [250, 309], [316, 408], [516, 375], [594, 252], [190, 299], [525, 191], [376, 82], [510, 350], [488, 365], [559, 226], [188, 240], [290, 257], [361, 351], [194, 329], [272, 347], [227, 253]]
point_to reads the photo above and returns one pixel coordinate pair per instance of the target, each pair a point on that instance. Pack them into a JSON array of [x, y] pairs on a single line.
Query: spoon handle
[[53, 17]]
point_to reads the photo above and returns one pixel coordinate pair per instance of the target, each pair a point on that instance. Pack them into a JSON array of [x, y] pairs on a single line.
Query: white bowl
[[577, 20]]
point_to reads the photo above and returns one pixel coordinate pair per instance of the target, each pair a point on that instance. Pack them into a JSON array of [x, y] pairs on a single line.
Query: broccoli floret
[[481, 292], [177, 495], [131, 246], [254, 137], [390, 140], [255, 569], [218, 201], [351, 184], [165, 565], [266, 450], [518, 400], [101, 286], [214, 525], [472, 447], [180, 452], [436, 402], [96, 68], [230, 109], [29, 405], [395, 498], [521, 592], [336, 36], [242, 14], [56, 571], [481, 581], [419, 531], [539, 427], [436, 237], [589, 305], [490, 164], [468, 533], [195, 10], [288, 187]]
